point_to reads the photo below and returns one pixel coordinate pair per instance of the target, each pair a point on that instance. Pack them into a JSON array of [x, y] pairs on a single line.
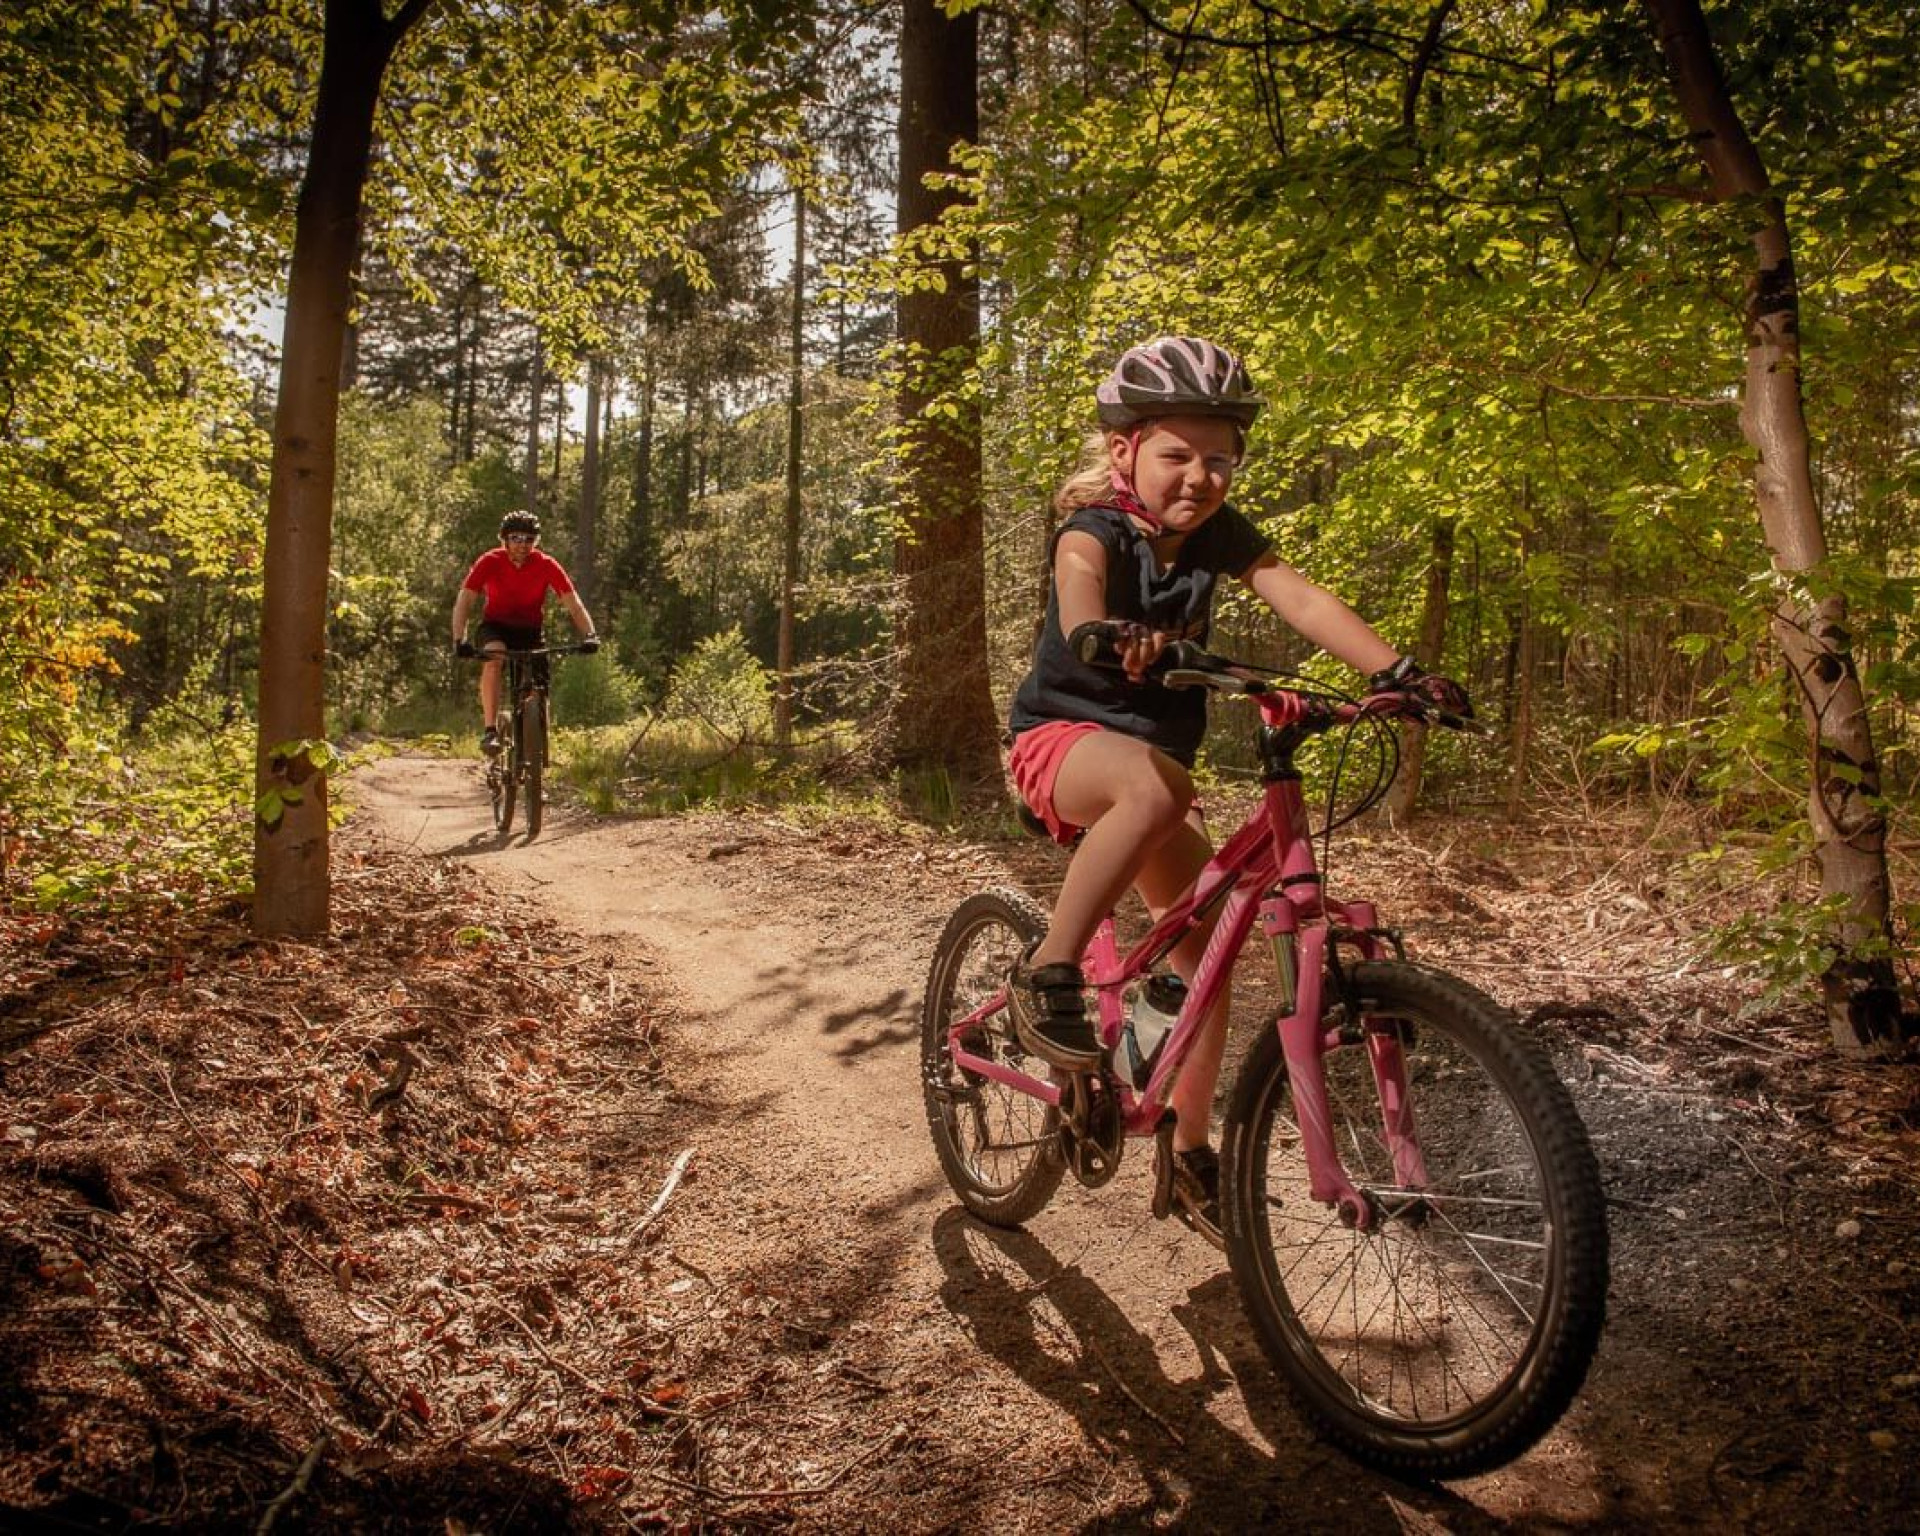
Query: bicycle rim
[[533, 737], [999, 1147], [1453, 1334]]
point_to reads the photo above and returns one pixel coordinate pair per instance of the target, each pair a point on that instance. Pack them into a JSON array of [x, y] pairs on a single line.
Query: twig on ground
[[812, 1490], [598, 1389], [1171, 1433], [660, 1200], [298, 1486]]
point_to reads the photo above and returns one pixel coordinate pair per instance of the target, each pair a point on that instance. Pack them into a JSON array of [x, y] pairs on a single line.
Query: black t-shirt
[[1177, 598]]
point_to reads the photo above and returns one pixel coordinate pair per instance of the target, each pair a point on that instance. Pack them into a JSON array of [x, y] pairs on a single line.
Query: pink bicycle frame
[[1264, 874]]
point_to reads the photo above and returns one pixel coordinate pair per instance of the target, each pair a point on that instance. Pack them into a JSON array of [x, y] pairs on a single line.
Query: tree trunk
[[640, 534], [290, 856], [1843, 802], [790, 534], [943, 712], [585, 556], [1429, 652], [1524, 668], [536, 399]]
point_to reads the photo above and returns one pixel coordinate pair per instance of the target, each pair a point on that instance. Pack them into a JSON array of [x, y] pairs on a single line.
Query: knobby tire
[[501, 787], [999, 1148], [1451, 1336]]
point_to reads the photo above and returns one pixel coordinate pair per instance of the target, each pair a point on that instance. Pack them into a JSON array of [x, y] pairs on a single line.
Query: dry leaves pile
[[290, 1230]]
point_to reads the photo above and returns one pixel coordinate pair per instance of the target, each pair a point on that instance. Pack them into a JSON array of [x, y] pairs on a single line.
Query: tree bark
[[1843, 803], [536, 401], [942, 713], [292, 889], [790, 533], [585, 555], [1429, 652]]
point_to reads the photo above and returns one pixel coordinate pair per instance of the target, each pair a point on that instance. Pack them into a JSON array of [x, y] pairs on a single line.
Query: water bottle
[[1152, 1008]]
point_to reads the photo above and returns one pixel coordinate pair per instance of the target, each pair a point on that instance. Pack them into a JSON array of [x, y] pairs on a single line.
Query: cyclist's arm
[[1080, 581], [462, 611], [577, 613], [1318, 616]]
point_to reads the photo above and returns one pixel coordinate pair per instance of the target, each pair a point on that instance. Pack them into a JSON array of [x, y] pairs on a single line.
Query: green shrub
[[721, 686], [593, 690]]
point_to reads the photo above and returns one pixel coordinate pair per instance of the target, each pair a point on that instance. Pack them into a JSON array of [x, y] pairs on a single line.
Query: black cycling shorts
[[515, 637]]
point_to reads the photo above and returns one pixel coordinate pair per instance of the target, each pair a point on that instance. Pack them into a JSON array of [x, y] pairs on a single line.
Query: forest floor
[[584, 1184]]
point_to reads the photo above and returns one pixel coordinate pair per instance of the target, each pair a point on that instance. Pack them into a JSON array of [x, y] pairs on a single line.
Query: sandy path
[[1093, 1369]]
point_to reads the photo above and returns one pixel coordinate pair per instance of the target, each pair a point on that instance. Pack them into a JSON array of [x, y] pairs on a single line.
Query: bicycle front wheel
[[1452, 1333], [999, 1147], [500, 788], [533, 757]]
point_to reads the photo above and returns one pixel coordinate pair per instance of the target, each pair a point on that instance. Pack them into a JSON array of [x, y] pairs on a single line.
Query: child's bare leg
[[1165, 877], [1130, 797]]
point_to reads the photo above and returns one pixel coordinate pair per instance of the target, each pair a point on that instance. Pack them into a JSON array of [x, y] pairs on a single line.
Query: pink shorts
[[1034, 764]]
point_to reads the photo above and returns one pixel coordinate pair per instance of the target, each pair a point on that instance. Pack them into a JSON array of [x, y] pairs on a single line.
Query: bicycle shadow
[[1055, 1328]]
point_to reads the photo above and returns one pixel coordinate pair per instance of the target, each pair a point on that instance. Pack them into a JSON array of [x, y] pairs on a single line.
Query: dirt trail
[[1094, 1371]]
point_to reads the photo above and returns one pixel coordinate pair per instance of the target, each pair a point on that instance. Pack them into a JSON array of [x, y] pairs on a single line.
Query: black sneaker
[[1196, 1192], [1049, 1011], [490, 741]]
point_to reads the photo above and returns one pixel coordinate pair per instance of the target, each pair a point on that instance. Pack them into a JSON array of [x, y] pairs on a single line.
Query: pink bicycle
[[1413, 1214]]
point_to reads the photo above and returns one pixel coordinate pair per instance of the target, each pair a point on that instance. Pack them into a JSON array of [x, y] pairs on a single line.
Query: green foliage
[[720, 686], [169, 821], [594, 690], [398, 501]]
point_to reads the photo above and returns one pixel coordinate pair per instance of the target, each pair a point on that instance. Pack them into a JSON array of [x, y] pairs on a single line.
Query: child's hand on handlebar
[[1441, 696], [1125, 645], [1138, 647]]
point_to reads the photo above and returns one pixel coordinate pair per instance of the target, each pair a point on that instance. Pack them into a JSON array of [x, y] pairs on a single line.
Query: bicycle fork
[[1300, 954]]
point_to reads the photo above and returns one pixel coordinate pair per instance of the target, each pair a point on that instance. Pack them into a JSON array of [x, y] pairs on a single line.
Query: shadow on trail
[[1059, 1332]]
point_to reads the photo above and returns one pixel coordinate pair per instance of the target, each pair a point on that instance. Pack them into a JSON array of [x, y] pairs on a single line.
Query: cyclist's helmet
[[1177, 376], [520, 522]]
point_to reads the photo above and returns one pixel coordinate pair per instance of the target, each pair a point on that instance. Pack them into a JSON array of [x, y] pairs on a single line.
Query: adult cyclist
[[511, 582]]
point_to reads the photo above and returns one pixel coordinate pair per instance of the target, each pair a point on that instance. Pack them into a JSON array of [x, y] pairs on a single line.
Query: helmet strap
[[1125, 497]]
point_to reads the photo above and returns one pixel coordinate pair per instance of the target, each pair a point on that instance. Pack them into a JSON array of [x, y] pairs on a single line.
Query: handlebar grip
[[1097, 644]]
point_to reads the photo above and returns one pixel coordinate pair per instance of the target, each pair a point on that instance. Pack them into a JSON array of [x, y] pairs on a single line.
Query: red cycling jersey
[[516, 594]]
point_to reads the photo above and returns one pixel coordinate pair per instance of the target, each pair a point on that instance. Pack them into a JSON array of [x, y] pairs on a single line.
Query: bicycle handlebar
[[1182, 664], [573, 648]]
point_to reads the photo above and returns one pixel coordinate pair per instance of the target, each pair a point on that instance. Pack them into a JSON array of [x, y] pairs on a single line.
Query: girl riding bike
[[1103, 755]]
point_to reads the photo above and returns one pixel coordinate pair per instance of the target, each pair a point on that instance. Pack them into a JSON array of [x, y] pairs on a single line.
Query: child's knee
[[1165, 796]]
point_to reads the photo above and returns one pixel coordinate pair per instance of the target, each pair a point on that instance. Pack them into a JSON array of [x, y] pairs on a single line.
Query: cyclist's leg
[[1131, 797], [495, 640], [1170, 869]]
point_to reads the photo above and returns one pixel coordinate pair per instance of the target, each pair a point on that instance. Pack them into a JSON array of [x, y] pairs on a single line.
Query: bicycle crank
[[1091, 1132], [1163, 1167]]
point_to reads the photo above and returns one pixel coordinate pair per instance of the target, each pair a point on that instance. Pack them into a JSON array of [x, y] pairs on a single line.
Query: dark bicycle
[[521, 762]]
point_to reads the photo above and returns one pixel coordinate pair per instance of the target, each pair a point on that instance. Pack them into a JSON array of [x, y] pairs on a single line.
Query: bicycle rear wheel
[[533, 757], [999, 1147], [1453, 1334]]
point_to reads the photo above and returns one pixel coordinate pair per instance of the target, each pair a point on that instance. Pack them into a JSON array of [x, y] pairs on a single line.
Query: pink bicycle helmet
[[1177, 376]]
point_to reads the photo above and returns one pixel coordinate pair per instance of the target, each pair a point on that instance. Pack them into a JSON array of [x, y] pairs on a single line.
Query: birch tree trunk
[[1843, 803]]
